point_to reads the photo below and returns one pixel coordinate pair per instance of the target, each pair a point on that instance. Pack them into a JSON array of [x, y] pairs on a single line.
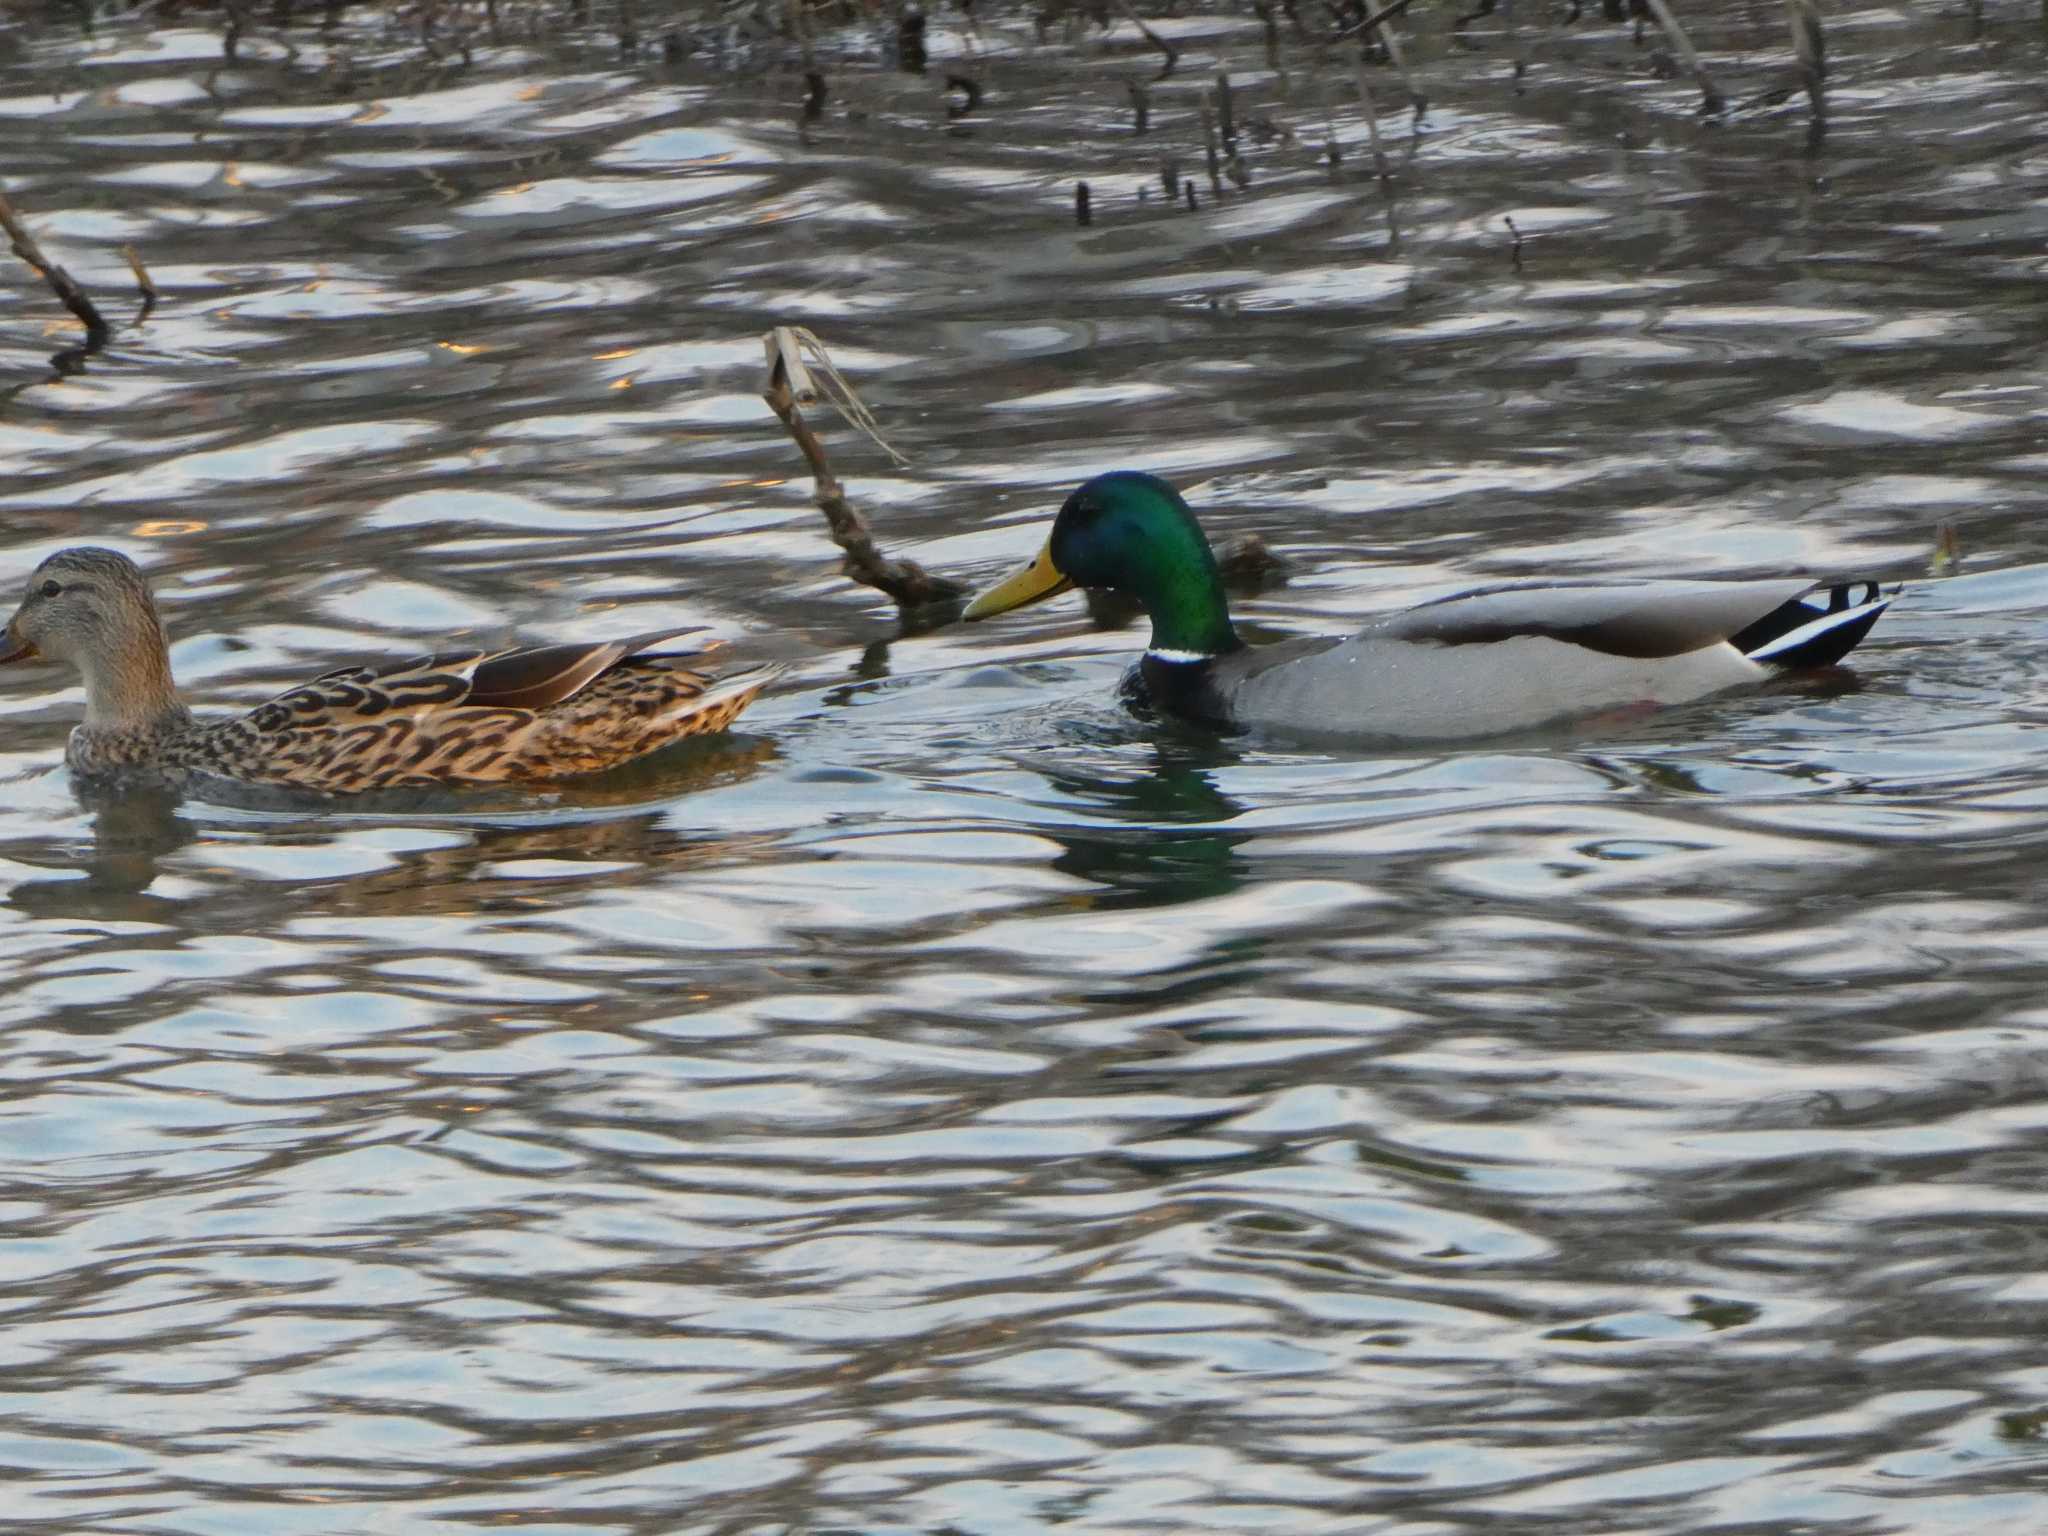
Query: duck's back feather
[[1510, 658], [537, 713], [541, 675], [1639, 619]]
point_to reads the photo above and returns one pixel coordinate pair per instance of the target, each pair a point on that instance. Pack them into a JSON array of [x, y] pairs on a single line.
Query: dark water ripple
[[951, 1103]]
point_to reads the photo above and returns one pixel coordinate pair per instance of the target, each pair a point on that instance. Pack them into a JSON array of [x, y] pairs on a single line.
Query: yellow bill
[[1040, 579]]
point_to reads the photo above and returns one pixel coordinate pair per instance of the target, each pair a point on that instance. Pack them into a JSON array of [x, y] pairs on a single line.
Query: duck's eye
[[52, 588]]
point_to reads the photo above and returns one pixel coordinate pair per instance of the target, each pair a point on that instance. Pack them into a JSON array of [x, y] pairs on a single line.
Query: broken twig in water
[[1209, 145], [1082, 214], [1384, 13], [1809, 46], [792, 353], [73, 297], [1514, 250], [1172, 53], [143, 282], [1372, 125], [1711, 99], [1416, 99]]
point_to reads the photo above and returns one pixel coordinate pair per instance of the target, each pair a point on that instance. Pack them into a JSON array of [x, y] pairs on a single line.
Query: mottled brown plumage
[[467, 717]]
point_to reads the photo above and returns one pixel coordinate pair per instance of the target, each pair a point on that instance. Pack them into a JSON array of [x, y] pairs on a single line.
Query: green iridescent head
[[1129, 532]]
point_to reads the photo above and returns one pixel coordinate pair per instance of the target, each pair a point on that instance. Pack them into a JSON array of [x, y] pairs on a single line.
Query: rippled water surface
[[950, 1103]]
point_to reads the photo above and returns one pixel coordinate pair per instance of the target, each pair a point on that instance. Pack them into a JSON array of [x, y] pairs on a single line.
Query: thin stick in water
[[1384, 13], [1372, 123], [1209, 145], [143, 283], [1711, 99], [73, 297], [1172, 53], [1416, 98], [1809, 45], [790, 380]]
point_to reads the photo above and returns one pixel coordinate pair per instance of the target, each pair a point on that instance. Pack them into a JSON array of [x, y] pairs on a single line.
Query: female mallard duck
[[464, 717], [1479, 664]]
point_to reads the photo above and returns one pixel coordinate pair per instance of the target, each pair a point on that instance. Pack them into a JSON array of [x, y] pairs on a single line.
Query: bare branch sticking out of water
[[1514, 250], [1809, 45], [1209, 147], [1480, 12], [1372, 124], [1271, 23], [143, 282], [73, 297], [1416, 99], [1384, 13], [1172, 53], [797, 21], [1711, 99], [1083, 214], [793, 353]]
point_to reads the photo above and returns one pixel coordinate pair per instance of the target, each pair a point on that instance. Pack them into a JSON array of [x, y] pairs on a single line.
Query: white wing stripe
[[1812, 630]]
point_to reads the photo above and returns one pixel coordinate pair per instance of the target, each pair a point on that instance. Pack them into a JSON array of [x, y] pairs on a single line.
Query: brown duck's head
[[91, 608]]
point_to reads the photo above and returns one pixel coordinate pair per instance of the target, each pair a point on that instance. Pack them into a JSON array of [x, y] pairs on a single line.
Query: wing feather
[[1640, 620], [539, 676]]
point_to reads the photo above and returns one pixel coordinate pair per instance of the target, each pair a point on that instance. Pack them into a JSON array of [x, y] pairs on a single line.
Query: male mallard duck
[[1478, 664], [463, 717]]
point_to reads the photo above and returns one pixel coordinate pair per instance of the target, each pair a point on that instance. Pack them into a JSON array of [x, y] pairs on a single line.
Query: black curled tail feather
[[1816, 630]]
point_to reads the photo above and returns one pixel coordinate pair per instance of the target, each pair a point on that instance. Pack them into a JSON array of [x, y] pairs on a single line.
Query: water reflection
[[131, 833], [1149, 838]]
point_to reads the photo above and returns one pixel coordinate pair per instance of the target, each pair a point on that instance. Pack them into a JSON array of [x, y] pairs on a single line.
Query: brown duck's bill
[[14, 648], [1040, 579]]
